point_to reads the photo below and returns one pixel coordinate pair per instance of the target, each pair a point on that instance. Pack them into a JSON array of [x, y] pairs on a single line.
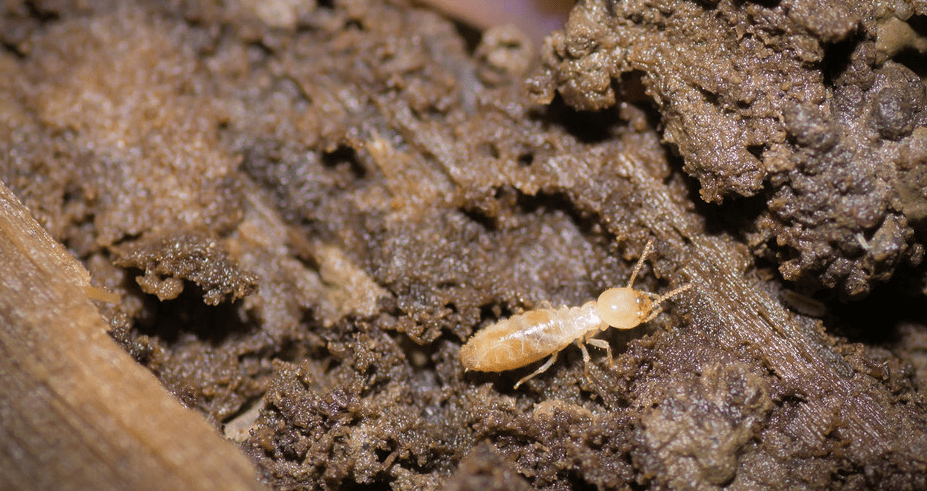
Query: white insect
[[525, 338]]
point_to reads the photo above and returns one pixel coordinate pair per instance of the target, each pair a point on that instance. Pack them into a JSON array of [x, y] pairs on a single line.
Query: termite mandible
[[527, 337]]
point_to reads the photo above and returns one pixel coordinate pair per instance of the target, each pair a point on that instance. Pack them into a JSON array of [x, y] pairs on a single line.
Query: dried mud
[[816, 108], [307, 211]]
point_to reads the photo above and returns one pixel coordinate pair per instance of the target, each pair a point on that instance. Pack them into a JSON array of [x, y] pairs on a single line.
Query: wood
[[738, 313], [76, 412]]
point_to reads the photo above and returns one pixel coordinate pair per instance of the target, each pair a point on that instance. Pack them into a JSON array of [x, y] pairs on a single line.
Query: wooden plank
[[76, 412]]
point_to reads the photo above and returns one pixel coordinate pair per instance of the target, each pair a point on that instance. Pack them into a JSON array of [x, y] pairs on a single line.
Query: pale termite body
[[525, 338]]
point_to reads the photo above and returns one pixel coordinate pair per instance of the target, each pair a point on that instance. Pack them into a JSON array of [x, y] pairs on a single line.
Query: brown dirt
[[306, 214], [815, 107]]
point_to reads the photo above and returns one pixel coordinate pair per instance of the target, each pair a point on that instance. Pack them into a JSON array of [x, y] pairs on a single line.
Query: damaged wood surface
[[305, 217], [76, 411], [739, 314]]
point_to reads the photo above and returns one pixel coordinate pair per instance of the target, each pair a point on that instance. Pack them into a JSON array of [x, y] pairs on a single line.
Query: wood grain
[[76, 412]]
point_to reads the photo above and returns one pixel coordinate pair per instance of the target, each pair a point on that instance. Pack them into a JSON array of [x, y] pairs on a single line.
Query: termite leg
[[543, 368], [586, 357], [603, 344]]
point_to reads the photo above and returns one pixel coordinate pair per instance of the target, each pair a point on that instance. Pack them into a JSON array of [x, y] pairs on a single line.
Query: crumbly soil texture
[[308, 207]]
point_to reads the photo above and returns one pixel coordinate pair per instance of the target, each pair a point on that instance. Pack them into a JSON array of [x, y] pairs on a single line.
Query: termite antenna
[[640, 262], [667, 296]]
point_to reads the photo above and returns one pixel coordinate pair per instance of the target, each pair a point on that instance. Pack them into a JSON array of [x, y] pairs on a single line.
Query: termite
[[525, 338]]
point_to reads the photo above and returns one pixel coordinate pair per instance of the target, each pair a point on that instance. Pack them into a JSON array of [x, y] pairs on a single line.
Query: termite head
[[623, 308]]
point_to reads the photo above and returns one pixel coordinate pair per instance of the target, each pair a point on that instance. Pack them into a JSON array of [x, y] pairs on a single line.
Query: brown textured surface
[[375, 190], [76, 412], [816, 107]]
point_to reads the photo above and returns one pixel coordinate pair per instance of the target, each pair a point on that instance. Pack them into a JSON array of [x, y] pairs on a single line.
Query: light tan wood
[[76, 412]]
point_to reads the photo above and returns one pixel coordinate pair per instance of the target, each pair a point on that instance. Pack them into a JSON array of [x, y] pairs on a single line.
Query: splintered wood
[[76, 411]]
